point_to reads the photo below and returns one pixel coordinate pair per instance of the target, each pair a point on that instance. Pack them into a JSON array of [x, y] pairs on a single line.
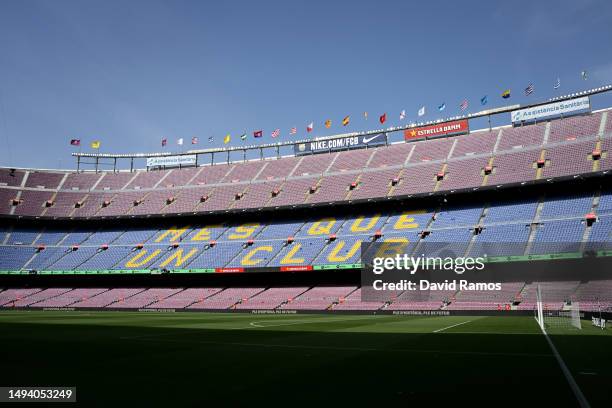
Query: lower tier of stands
[[592, 296]]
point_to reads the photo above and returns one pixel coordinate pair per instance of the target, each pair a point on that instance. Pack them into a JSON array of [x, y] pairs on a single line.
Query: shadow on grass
[[120, 365]]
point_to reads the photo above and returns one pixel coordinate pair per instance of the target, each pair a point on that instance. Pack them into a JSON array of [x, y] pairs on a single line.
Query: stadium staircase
[[288, 301], [233, 306], [533, 226], [477, 229], [117, 301]]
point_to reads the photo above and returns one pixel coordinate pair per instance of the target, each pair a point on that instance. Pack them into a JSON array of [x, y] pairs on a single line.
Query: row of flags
[[506, 94], [463, 106], [77, 142]]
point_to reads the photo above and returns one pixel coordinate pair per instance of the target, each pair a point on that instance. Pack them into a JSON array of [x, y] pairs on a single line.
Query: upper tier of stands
[[506, 155]]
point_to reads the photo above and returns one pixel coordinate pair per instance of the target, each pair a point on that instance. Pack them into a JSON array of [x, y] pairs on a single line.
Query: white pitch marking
[[582, 401], [495, 333], [450, 327]]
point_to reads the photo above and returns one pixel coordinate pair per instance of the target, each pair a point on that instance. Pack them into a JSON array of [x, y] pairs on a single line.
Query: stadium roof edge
[[483, 113]]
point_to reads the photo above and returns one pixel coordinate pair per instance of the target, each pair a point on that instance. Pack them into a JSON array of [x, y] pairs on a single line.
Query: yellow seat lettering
[[406, 220], [289, 259], [174, 232], [334, 254], [392, 247], [250, 260], [244, 231], [204, 234], [135, 262], [178, 257], [357, 227], [322, 227]]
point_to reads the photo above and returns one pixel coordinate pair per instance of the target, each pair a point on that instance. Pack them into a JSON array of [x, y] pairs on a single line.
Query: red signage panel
[[229, 270], [441, 129], [296, 268]]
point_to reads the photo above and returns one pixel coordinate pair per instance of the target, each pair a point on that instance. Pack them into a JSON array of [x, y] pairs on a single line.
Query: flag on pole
[[584, 75], [346, 120], [484, 100], [442, 107], [293, 131], [529, 90], [365, 115], [506, 94], [403, 114], [383, 118], [276, 133], [309, 127], [194, 140], [227, 138], [557, 84], [180, 141], [328, 123], [464, 105], [243, 136], [75, 142], [258, 133], [95, 144], [421, 111], [164, 142]]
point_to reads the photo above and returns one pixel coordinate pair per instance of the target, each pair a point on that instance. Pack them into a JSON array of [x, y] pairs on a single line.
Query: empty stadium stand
[[540, 224], [481, 159], [126, 223], [514, 296]]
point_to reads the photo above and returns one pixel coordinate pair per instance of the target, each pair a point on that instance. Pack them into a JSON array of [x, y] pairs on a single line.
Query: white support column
[[61, 184], [102, 174], [409, 155], [546, 133], [14, 207], [25, 179], [602, 124], [498, 140], [452, 149], [163, 178]]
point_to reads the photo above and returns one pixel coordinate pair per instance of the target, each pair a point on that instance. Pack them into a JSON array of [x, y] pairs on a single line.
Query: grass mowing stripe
[[343, 348], [320, 320]]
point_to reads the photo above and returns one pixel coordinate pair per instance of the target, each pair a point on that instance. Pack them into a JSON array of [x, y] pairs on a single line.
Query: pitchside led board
[[343, 143], [574, 106], [456, 127]]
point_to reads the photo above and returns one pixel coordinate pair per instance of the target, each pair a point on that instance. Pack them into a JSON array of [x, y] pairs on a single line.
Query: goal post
[[539, 311], [547, 317], [575, 315]]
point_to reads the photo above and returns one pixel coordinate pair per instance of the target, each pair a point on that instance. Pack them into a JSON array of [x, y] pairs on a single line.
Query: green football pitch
[[238, 360]]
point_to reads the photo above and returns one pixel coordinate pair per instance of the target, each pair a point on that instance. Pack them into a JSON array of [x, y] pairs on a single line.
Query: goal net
[[558, 315]]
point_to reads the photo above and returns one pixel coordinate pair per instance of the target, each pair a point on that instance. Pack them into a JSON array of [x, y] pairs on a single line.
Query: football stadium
[[428, 256]]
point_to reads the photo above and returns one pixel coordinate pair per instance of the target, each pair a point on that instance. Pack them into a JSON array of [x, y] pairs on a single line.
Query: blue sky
[[131, 73]]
